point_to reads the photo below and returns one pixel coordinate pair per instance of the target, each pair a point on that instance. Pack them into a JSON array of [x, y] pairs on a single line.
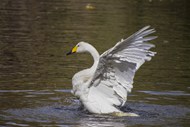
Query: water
[[35, 74]]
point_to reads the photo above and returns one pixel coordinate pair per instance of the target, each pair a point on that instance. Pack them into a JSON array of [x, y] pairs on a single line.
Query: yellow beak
[[73, 50]]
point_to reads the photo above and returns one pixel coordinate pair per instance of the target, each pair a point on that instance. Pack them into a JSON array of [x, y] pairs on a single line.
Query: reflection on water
[[35, 74]]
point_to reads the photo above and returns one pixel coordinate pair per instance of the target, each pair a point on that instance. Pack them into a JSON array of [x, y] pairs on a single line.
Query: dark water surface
[[35, 74]]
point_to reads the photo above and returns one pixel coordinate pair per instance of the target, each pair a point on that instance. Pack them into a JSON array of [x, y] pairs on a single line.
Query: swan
[[103, 88]]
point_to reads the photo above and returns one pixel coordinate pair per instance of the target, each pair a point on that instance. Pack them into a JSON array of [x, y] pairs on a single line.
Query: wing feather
[[117, 66]]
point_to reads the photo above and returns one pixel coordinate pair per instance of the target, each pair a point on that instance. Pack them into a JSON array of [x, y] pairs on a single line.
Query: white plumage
[[104, 87]]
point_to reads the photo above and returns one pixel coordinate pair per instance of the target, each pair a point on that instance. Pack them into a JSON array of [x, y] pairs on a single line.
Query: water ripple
[[169, 93]]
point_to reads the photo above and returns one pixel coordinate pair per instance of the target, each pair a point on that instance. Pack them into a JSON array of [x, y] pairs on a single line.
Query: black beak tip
[[69, 53]]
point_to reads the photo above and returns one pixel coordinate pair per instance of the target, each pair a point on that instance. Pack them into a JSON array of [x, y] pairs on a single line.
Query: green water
[[35, 74]]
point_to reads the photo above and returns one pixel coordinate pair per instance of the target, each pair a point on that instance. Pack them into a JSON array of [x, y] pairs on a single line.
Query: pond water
[[35, 74]]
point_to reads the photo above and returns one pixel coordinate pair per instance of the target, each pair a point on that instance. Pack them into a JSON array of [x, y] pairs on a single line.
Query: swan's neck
[[94, 54]]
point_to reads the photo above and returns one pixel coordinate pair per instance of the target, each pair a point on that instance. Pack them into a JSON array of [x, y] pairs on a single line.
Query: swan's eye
[[77, 45]]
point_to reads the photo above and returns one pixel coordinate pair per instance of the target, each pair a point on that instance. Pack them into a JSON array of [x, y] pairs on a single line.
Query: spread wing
[[113, 78]]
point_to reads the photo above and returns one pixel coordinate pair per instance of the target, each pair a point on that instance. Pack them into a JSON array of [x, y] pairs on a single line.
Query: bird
[[103, 88]]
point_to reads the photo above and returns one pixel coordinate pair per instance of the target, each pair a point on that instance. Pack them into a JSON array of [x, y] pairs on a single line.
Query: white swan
[[103, 88]]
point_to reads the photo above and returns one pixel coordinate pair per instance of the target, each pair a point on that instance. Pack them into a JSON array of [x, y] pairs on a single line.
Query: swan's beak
[[72, 51]]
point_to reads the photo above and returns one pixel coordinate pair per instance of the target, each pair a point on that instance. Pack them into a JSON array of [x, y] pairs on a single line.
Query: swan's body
[[103, 88]]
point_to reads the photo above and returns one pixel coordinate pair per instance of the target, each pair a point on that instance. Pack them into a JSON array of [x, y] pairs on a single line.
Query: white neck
[[94, 53]]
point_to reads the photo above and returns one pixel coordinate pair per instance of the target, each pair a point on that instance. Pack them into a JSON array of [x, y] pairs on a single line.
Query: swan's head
[[79, 48]]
